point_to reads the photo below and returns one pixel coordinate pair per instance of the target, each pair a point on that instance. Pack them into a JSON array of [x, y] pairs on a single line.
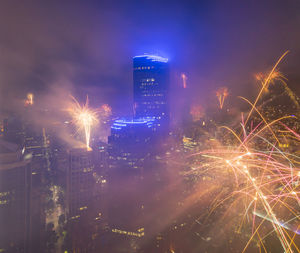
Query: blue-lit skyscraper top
[[151, 88], [153, 58]]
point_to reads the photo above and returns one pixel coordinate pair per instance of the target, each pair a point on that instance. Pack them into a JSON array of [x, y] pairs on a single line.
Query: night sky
[[57, 48]]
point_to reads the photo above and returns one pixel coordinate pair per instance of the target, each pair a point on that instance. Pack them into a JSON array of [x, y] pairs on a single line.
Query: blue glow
[[118, 124], [122, 123], [152, 57]]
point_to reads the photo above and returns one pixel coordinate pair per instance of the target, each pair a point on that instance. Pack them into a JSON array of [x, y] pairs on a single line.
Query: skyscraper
[[84, 208], [79, 196], [130, 143], [151, 85], [130, 148], [15, 189]]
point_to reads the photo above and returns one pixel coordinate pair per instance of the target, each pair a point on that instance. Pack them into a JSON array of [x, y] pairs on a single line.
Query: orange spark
[[221, 94], [184, 78], [84, 118]]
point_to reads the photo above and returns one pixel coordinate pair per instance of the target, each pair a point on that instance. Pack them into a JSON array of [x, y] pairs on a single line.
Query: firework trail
[[277, 76], [264, 178], [84, 118], [221, 94], [184, 78]]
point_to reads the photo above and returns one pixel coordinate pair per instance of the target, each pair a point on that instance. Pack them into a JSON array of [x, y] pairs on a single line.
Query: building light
[[3, 202], [136, 234], [154, 58], [2, 194], [75, 217]]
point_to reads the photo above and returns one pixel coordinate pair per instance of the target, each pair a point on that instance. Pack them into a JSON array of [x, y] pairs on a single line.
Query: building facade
[[130, 149], [151, 88], [15, 196]]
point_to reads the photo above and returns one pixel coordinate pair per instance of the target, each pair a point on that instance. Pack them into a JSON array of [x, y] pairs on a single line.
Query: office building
[[130, 148], [151, 89], [130, 142], [79, 182], [84, 210]]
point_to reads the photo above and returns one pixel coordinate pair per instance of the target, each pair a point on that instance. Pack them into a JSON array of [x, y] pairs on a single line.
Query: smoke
[[43, 45], [91, 44]]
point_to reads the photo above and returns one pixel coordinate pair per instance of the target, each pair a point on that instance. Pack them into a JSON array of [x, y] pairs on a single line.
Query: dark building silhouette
[[15, 196], [130, 142], [84, 204], [32, 141], [130, 149], [151, 88], [13, 130]]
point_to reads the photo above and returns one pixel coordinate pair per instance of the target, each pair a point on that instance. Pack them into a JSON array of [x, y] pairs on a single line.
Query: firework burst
[[221, 94], [263, 179], [84, 118], [29, 99]]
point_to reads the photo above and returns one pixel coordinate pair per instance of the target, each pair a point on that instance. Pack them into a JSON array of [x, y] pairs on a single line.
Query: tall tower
[[79, 197], [130, 148], [151, 85]]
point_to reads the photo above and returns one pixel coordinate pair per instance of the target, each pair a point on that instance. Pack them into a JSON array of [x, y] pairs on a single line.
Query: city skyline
[[201, 47], [149, 127]]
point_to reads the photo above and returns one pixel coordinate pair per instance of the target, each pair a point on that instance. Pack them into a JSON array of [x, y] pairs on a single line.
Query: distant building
[[151, 88], [15, 195], [13, 130]]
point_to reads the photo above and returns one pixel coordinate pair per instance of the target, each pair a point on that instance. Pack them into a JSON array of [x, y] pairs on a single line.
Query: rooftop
[[152, 57], [121, 123]]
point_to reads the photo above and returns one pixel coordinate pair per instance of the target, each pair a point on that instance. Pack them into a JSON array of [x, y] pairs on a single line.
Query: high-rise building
[[84, 212], [151, 85], [130, 142], [79, 196], [79, 182], [130, 149], [32, 141], [15, 195], [35, 146]]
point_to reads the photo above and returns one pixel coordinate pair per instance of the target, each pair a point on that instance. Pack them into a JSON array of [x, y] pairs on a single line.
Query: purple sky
[[86, 47]]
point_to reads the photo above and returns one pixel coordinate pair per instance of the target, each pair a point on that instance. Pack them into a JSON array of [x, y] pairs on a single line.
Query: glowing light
[[154, 58], [262, 172], [105, 110], [184, 78], [197, 112], [84, 118], [29, 99], [221, 94]]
